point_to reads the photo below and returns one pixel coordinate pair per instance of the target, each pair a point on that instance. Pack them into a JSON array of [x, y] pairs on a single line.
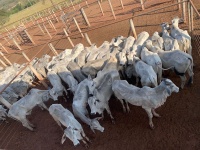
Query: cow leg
[[127, 107], [42, 105], [58, 122], [109, 112], [137, 81], [154, 113], [124, 109], [25, 123], [183, 80], [150, 115], [32, 125], [190, 73], [83, 134]]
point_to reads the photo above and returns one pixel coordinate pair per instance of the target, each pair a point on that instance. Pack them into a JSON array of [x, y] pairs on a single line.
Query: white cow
[[182, 36], [157, 40], [145, 72], [81, 95], [76, 71], [24, 106], [153, 60], [169, 42], [99, 101], [74, 130], [180, 62], [148, 98], [67, 77], [58, 88]]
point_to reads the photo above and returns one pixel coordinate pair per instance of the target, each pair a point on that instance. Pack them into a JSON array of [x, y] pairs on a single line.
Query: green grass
[[32, 10]]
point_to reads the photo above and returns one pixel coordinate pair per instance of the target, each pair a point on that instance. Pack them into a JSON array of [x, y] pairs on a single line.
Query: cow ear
[[63, 138], [89, 77]]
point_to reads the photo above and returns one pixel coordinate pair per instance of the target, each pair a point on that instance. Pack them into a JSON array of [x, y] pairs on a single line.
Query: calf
[[74, 130]]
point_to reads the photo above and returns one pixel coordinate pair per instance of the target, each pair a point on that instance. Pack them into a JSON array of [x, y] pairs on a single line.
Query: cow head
[[54, 95], [122, 58], [96, 105], [95, 125], [73, 134], [170, 86], [91, 85]]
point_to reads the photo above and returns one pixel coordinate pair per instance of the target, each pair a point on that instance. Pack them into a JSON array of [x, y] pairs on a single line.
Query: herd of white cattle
[[93, 74]]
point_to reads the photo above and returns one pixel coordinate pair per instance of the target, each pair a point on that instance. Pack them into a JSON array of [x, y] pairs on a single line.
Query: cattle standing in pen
[[148, 98]]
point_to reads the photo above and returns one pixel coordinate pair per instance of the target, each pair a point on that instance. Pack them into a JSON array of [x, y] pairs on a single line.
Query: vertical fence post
[[85, 17], [183, 12], [3, 48], [7, 41], [40, 28], [38, 76], [100, 8], [192, 19], [29, 36], [86, 3], [79, 29], [53, 49], [88, 39], [47, 31], [142, 4], [25, 56], [6, 58], [3, 63], [133, 28], [15, 42], [69, 39], [55, 16], [122, 4], [189, 16], [72, 4], [179, 5], [113, 13]]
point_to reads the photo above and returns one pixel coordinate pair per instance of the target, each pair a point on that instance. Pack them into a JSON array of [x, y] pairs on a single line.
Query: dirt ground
[[177, 129]]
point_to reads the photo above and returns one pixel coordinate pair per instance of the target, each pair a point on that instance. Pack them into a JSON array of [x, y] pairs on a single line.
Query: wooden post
[[55, 16], [29, 36], [100, 8], [86, 3], [15, 42], [183, 12], [38, 76], [122, 4], [3, 48], [5, 58], [7, 41], [179, 4], [49, 22], [88, 39], [112, 9], [40, 28], [5, 102], [189, 17], [47, 31], [79, 29], [25, 56], [142, 4], [53, 25], [133, 28], [192, 18], [69, 39], [53, 49], [85, 17], [72, 5], [3, 63]]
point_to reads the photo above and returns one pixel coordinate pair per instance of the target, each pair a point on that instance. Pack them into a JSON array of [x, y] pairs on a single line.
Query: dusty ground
[[178, 128]]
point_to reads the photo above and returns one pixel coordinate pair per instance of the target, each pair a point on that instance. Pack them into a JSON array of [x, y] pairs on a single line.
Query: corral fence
[[57, 37]]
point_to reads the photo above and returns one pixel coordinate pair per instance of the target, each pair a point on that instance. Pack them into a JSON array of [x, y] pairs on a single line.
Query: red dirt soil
[[178, 128]]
